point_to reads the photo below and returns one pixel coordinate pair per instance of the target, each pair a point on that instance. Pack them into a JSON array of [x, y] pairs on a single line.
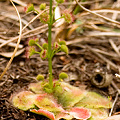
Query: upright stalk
[[49, 46]]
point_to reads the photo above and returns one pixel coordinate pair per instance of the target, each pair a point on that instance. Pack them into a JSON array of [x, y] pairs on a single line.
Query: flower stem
[[49, 46]]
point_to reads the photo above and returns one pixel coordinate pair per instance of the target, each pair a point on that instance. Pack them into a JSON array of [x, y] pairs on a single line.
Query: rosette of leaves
[[66, 102]]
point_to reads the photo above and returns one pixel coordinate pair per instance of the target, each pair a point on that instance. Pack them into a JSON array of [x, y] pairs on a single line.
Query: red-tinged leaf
[[94, 100], [99, 114], [46, 113], [64, 115], [47, 102], [36, 87], [80, 113], [69, 96], [24, 100]]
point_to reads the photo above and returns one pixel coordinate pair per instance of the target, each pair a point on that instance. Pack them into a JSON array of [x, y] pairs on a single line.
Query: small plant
[[47, 49], [65, 102], [56, 99]]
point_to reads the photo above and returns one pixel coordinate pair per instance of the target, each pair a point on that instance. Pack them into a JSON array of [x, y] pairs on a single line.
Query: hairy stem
[[49, 46]]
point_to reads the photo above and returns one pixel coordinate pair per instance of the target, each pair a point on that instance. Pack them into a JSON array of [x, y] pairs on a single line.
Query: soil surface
[[91, 56]]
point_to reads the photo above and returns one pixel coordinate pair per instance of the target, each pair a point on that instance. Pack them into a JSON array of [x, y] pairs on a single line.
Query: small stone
[[21, 63]]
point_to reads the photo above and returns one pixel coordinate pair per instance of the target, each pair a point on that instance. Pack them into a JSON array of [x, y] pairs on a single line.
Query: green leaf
[[47, 102], [69, 96], [98, 114], [24, 100], [94, 100], [36, 87]]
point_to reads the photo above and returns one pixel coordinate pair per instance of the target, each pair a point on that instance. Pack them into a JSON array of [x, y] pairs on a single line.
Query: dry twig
[[113, 104]]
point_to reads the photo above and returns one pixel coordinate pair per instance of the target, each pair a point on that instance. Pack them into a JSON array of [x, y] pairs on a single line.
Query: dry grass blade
[[116, 87], [116, 98], [83, 3], [114, 47], [11, 44], [103, 11], [15, 50], [106, 53], [75, 41], [103, 33], [113, 104], [106, 18]]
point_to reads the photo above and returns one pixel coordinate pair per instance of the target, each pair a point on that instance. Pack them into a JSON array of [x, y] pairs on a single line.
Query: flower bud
[[68, 16], [63, 75], [31, 42], [43, 54], [56, 45], [40, 77], [62, 42], [42, 6], [60, 1], [64, 48], [45, 46], [30, 8], [45, 18]]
